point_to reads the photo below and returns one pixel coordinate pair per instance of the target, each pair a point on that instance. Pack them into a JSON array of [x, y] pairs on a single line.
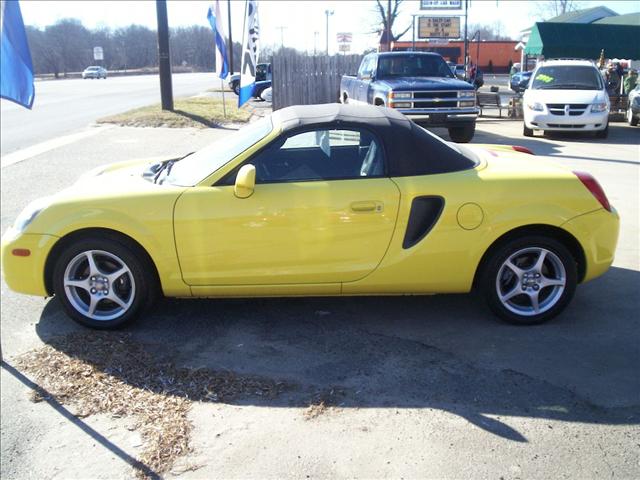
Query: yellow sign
[[438, 27]]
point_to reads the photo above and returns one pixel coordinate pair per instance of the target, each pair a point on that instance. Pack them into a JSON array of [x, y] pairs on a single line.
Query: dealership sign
[[344, 37], [438, 27], [440, 4]]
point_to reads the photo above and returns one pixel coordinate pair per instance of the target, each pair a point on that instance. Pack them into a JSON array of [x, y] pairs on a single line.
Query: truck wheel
[[527, 132], [462, 134]]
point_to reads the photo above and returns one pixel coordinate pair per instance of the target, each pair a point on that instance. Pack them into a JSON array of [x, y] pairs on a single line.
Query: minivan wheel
[[103, 283], [530, 280], [527, 132]]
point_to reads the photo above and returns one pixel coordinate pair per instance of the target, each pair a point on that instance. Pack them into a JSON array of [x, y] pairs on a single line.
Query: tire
[[633, 121], [114, 306], [514, 267], [236, 88], [603, 133], [527, 132], [462, 134]]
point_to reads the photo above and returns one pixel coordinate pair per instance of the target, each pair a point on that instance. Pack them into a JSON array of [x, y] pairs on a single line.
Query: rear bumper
[[26, 274], [597, 232]]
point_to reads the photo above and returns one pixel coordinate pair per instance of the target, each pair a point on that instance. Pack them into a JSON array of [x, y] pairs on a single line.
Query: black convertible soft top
[[410, 150]]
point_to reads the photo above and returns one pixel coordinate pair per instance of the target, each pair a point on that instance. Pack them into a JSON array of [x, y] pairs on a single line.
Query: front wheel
[[603, 133], [462, 134], [527, 132], [530, 280], [631, 118], [103, 283], [235, 86]]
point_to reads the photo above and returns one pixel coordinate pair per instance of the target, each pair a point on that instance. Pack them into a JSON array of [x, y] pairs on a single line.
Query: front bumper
[[26, 274], [597, 232], [441, 119], [587, 122]]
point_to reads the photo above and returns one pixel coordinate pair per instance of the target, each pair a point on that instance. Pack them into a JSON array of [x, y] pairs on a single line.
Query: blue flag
[[16, 70], [250, 52], [215, 20]]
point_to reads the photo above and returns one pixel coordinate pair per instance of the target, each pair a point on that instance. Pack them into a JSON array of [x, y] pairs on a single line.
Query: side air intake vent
[[424, 214]]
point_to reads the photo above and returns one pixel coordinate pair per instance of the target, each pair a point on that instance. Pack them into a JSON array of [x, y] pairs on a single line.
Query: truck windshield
[[567, 77], [412, 66]]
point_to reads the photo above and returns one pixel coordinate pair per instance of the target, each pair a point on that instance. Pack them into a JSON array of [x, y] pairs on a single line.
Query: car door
[[323, 211]]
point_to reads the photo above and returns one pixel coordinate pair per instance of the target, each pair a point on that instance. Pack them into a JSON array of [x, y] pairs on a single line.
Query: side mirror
[[245, 181]]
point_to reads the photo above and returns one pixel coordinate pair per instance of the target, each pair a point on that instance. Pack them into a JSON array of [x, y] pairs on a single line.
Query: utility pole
[[466, 39], [166, 88], [413, 31], [282, 29], [328, 13], [315, 42], [388, 25], [230, 38]]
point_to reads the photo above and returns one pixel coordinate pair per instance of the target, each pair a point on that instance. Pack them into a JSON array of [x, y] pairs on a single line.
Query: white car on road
[[566, 95]]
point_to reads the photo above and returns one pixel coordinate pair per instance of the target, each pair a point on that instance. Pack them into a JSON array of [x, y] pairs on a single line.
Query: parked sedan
[[94, 72], [519, 81], [317, 200]]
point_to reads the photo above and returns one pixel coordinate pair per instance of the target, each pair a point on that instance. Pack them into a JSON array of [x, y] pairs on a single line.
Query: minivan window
[[567, 77]]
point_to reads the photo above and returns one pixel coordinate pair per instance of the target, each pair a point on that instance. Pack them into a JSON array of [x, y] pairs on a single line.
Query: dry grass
[[101, 372], [198, 112], [323, 402]]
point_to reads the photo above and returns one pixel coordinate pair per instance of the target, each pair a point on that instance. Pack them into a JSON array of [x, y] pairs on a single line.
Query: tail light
[[519, 148], [594, 187]]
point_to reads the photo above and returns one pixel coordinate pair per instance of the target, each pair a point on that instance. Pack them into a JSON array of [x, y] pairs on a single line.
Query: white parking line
[[43, 147]]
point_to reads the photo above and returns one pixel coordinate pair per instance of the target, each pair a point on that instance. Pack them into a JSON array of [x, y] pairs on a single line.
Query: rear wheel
[[529, 280], [103, 283], [631, 119], [235, 86], [527, 132], [462, 134]]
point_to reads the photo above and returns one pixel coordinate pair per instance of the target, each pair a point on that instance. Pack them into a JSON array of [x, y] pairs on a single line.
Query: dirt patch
[[324, 402], [101, 372]]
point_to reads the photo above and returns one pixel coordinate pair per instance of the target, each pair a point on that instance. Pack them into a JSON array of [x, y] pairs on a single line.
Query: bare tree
[[488, 32], [552, 8], [380, 24]]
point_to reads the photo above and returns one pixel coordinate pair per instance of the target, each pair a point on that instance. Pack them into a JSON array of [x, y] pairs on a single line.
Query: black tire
[[631, 118], [106, 253], [553, 299], [527, 132], [462, 134], [603, 133], [235, 86]]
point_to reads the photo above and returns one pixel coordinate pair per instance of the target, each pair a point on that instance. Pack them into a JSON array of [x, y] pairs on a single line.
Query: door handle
[[367, 206]]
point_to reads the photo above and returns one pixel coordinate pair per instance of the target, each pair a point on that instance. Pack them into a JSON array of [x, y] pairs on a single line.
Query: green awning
[[584, 40]]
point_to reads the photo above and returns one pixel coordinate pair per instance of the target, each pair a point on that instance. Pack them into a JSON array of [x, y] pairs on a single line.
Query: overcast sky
[[300, 19]]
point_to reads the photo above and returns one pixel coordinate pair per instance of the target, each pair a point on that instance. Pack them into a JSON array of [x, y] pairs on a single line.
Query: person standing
[[631, 81]]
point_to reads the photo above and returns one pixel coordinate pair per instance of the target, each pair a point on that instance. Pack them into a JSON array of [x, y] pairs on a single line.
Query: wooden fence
[[300, 79]]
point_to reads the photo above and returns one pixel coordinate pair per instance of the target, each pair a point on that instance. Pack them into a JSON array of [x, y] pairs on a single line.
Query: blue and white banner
[[250, 51], [215, 20], [16, 70]]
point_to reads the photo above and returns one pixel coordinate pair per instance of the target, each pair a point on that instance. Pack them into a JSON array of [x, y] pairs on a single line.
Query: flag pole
[[230, 38], [224, 104]]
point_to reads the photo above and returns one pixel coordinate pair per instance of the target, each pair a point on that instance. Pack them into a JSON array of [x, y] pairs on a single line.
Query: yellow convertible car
[[317, 200]]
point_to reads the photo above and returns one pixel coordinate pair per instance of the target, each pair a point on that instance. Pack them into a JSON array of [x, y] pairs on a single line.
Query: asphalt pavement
[[426, 386], [63, 107]]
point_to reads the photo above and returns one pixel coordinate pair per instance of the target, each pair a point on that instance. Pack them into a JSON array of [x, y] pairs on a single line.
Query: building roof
[[628, 19], [579, 40], [586, 15]]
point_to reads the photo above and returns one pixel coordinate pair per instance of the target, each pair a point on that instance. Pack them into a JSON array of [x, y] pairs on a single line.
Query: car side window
[[317, 155]]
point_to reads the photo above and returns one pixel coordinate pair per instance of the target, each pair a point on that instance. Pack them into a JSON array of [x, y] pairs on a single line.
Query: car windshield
[[199, 165], [412, 66], [93, 68], [567, 77]]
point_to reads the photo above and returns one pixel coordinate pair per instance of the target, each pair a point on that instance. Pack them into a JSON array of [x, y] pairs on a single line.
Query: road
[[435, 386], [65, 106]]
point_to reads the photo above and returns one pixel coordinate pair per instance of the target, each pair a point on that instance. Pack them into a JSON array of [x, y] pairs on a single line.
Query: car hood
[[425, 83], [565, 96]]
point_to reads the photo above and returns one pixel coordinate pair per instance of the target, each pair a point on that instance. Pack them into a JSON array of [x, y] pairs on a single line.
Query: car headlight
[[467, 103], [398, 95], [467, 94], [401, 105], [535, 106], [29, 214], [599, 107]]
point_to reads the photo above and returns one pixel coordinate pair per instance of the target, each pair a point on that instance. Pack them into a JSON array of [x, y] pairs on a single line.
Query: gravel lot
[[400, 387]]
